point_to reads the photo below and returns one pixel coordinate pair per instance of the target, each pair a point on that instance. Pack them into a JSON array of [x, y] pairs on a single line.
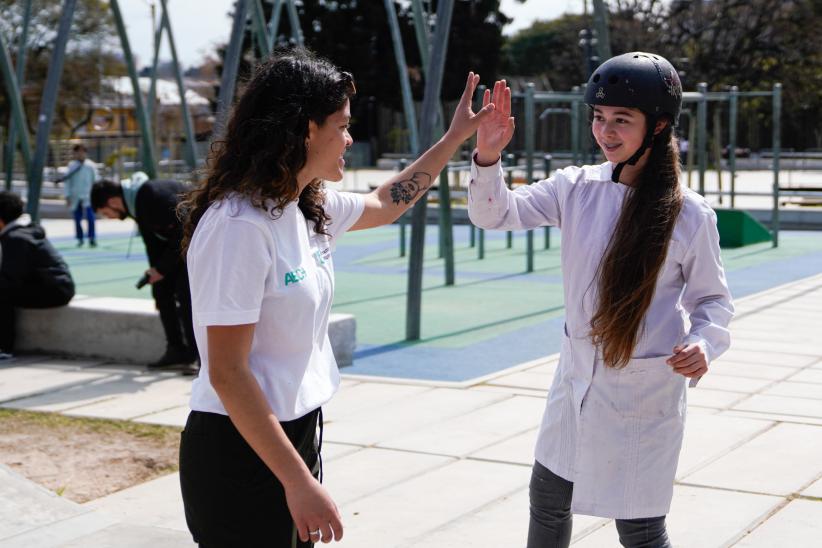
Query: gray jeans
[[550, 524]]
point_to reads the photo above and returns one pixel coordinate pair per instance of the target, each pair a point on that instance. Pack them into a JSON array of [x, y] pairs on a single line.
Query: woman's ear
[[312, 132], [660, 125]]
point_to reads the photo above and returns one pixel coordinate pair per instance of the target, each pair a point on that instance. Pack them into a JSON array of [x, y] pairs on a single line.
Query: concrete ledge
[[127, 331]]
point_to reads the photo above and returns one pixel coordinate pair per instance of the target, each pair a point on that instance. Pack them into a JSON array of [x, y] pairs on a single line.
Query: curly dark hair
[[264, 146]]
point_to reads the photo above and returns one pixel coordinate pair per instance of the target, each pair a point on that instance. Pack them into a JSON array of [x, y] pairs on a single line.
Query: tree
[[90, 55]]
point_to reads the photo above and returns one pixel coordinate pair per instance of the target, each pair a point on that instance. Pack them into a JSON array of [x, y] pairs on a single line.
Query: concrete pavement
[[446, 464]]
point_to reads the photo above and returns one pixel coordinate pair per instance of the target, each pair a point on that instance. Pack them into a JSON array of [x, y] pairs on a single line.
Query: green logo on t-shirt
[[295, 276]]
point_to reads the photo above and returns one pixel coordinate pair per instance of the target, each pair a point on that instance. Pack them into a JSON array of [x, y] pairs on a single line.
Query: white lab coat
[[615, 433]]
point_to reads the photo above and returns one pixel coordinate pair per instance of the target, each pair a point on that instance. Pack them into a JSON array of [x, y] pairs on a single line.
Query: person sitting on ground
[[152, 204], [81, 174], [32, 273]]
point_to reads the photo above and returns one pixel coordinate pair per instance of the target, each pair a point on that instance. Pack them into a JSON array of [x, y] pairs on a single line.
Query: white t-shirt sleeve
[[228, 268], [343, 209]]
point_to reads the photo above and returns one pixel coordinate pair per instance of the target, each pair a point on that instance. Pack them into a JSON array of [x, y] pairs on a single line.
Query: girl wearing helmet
[[647, 305]]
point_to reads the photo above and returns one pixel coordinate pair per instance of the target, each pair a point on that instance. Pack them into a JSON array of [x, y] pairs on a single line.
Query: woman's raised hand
[[465, 121], [496, 129]]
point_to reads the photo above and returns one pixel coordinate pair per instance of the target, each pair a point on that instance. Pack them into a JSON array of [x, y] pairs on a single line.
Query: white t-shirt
[[247, 267]]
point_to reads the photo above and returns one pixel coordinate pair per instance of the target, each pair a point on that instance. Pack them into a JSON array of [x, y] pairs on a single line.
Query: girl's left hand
[[465, 123], [689, 360]]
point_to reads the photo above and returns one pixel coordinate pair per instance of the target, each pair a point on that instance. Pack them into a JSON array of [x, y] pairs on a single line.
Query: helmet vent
[[613, 80], [596, 78]]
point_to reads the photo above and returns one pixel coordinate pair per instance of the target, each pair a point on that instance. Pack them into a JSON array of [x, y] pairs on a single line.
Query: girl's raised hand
[[496, 129], [465, 121]]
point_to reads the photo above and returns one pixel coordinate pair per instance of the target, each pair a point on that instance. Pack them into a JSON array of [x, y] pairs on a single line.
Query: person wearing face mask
[[647, 304], [153, 206]]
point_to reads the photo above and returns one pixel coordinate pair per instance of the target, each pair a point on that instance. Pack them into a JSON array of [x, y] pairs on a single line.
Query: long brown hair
[[264, 146], [628, 271]]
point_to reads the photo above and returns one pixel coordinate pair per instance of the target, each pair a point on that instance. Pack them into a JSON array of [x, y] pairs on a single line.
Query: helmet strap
[[646, 144]]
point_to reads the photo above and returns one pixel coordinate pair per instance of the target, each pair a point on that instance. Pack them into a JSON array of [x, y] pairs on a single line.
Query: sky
[[199, 25]]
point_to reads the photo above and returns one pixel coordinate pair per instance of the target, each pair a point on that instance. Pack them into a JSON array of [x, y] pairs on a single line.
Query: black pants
[[172, 295], [550, 525], [231, 498]]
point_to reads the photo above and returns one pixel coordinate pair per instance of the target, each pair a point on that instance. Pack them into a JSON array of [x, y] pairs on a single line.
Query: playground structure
[[423, 128]]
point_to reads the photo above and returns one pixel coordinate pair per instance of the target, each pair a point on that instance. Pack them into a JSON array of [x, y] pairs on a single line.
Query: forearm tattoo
[[407, 190]]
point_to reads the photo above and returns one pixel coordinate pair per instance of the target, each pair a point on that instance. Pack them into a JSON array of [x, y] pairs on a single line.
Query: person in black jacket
[[32, 273], [153, 204]]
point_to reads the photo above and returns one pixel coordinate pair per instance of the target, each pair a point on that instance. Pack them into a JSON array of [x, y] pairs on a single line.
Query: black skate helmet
[[640, 80]]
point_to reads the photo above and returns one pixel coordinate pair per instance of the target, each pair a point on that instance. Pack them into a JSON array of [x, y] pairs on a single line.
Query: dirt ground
[[84, 459]]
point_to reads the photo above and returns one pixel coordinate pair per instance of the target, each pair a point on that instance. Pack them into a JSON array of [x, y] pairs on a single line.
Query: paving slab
[[155, 503], [502, 523], [813, 374], [781, 359], [370, 470], [795, 390], [472, 431], [802, 407], [798, 525], [724, 366], [518, 449], [25, 506], [112, 386], [132, 536], [176, 416], [708, 437], [700, 518], [772, 417], [397, 515], [332, 451], [715, 399], [362, 396], [21, 381], [780, 461], [430, 407], [525, 379], [719, 381], [145, 396]]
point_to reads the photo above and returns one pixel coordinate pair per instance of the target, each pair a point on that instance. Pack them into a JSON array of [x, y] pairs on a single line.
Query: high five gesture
[[497, 127]]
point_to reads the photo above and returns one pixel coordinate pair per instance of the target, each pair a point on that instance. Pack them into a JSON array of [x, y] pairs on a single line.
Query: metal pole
[[433, 86], [403, 163], [480, 244], [17, 112], [294, 20], [702, 134], [718, 148], [151, 99], [689, 164], [22, 48], [732, 116], [260, 31], [149, 161], [546, 162], [47, 104], [510, 161], [188, 125], [530, 119], [777, 149], [231, 65], [405, 84], [601, 25], [274, 24], [575, 152]]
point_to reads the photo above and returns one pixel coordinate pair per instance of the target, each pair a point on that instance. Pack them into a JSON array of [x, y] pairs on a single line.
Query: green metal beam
[[603, 34], [261, 37], [17, 112], [274, 23], [47, 105], [530, 138], [433, 87], [231, 65], [294, 20], [702, 135], [149, 160], [11, 145], [190, 150]]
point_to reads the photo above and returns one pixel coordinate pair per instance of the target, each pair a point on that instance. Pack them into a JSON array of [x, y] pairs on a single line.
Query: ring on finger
[[314, 533]]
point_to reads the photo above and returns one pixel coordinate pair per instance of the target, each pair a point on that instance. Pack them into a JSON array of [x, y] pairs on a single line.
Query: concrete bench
[[126, 331]]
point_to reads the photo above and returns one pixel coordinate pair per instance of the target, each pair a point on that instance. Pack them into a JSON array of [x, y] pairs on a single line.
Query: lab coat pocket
[[646, 388]]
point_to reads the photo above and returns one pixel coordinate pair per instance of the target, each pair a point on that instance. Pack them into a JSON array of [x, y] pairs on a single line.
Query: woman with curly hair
[[259, 234]]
